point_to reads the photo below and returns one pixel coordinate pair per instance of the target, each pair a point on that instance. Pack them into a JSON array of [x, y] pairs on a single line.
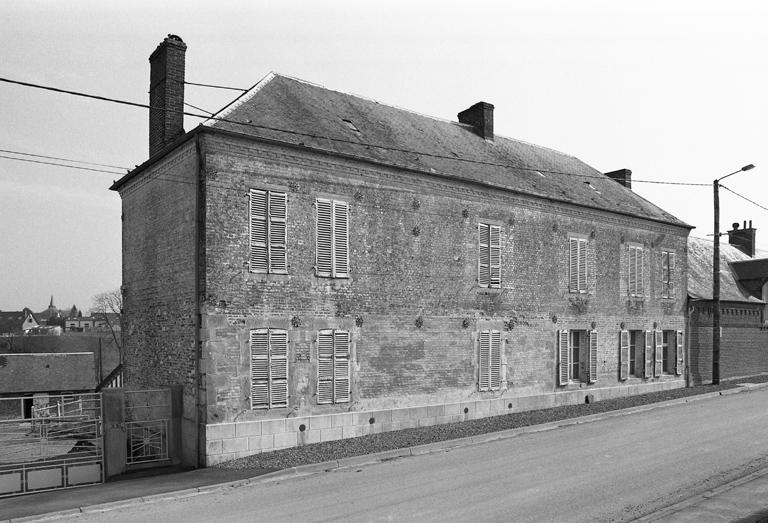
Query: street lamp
[[716, 280]]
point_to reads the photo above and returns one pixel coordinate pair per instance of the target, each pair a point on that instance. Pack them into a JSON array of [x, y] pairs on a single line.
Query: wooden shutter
[[325, 369], [340, 239], [484, 255], [258, 255], [341, 367], [664, 274], [640, 276], [278, 233], [324, 238], [495, 361], [484, 357], [679, 353], [593, 356], [278, 368], [562, 357], [573, 265], [671, 282], [494, 258], [582, 265], [624, 355], [260, 369], [659, 353], [648, 354]]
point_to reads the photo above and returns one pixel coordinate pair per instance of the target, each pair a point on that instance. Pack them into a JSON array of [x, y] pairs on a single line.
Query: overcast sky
[[674, 91]]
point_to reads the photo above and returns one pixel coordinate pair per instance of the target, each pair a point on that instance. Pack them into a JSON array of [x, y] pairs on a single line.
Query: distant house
[[17, 322], [323, 266], [99, 320], [743, 298]]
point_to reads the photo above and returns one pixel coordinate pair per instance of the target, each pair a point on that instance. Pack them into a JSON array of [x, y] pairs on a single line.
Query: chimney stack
[[744, 238], [166, 93], [623, 176], [480, 117]]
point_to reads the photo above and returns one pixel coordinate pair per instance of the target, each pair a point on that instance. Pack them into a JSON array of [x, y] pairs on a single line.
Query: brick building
[[743, 297], [314, 265]]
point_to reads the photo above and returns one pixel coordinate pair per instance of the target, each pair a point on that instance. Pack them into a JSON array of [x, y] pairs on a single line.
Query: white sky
[[675, 91]]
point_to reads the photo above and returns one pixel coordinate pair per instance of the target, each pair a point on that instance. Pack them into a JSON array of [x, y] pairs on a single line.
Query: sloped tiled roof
[[341, 123], [700, 255], [47, 372]]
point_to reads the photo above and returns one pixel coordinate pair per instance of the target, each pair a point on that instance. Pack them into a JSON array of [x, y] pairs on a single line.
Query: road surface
[[615, 469]]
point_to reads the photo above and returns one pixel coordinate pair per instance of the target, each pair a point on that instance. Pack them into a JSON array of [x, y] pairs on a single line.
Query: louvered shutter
[[278, 368], [324, 238], [494, 257], [659, 353], [341, 367], [278, 233], [671, 282], [665, 274], [582, 265], [260, 369], [325, 369], [640, 275], [495, 361], [562, 357], [340, 239], [573, 265], [484, 255], [484, 356], [679, 353], [258, 256], [593, 356], [648, 354], [624, 355]]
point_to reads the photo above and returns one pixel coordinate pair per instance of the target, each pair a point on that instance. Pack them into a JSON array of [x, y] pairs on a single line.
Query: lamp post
[[716, 279]]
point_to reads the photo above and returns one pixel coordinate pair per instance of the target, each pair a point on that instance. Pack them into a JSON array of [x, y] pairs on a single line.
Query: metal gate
[[50, 442]]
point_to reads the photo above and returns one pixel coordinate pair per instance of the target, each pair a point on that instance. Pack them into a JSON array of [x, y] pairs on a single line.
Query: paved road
[[615, 469]]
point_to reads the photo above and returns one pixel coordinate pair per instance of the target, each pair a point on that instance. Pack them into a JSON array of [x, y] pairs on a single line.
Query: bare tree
[[106, 303]]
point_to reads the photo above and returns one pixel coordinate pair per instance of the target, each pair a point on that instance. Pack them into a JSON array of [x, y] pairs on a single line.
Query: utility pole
[[716, 279]]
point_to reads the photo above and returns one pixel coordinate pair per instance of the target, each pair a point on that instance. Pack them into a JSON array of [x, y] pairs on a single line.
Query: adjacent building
[[312, 265]]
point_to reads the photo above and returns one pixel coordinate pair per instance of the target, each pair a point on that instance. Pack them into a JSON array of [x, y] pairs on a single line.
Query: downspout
[[198, 313]]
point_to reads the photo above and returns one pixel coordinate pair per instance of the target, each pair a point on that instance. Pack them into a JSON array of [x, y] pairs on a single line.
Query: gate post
[[115, 452]]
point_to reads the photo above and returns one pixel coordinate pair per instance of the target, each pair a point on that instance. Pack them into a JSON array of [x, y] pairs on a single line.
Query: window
[[268, 253], [332, 249], [333, 367], [577, 265], [672, 357], [489, 255], [577, 356], [667, 267], [269, 368], [489, 360], [635, 270], [631, 342]]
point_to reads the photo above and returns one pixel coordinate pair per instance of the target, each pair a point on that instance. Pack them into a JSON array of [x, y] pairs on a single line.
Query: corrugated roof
[[346, 124], [47, 372], [700, 255]]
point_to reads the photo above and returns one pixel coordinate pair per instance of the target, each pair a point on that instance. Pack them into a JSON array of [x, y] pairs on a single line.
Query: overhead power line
[[217, 86], [63, 159], [744, 197], [322, 137], [61, 165]]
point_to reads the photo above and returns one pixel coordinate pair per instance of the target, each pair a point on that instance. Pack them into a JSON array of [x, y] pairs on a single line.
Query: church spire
[[51, 306]]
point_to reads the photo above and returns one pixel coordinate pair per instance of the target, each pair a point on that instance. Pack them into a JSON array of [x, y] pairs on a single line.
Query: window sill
[[489, 290], [267, 276]]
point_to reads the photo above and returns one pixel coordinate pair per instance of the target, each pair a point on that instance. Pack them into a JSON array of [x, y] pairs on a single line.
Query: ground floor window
[[575, 344], [489, 360], [577, 356]]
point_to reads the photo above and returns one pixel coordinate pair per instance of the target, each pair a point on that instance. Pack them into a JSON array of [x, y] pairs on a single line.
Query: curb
[[419, 450]]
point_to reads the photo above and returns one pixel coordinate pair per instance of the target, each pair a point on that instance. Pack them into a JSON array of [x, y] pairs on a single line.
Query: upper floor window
[[667, 268], [489, 255], [332, 237], [268, 213], [635, 273], [577, 265]]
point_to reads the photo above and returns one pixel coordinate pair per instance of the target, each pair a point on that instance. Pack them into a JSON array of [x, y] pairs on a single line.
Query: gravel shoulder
[[334, 450]]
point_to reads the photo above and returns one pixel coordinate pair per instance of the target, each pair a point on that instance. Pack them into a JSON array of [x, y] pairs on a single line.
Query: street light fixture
[[716, 279]]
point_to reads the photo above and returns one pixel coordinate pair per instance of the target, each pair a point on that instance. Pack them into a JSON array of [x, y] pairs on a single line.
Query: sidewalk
[[745, 499]]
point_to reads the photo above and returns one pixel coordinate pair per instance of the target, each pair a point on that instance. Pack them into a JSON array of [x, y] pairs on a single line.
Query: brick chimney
[[623, 176], [166, 93], [480, 117], [744, 238]]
